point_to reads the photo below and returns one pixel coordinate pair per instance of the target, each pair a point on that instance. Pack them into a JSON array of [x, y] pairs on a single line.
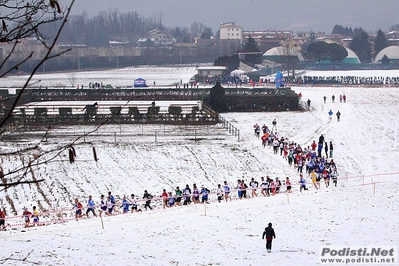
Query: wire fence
[[122, 133], [63, 214]]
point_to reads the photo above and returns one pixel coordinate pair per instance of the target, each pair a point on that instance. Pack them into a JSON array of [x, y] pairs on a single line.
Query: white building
[[210, 71], [230, 30]]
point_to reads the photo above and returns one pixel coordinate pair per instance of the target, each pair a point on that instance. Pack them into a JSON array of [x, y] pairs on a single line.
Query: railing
[[230, 127]]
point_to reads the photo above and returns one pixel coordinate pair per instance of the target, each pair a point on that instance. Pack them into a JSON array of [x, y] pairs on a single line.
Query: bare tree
[[72, 79], [20, 20], [289, 59]]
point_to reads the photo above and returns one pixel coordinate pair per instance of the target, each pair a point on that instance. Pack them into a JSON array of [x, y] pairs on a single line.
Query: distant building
[[268, 39], [308, 34], [279, 54], [184, 51], [393, 37], [210, 49], [351, 58], [158, 36], [269, 34], [393, 34], [210, 71], [117, 43], [293, 43], [229, 30], [346, 42], [392, 52]]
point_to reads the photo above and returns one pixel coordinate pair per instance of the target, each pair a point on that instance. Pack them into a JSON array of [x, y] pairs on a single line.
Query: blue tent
[[139, 83], [279, 79]]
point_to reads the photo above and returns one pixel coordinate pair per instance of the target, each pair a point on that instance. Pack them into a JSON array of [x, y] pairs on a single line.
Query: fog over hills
[[295, 15]]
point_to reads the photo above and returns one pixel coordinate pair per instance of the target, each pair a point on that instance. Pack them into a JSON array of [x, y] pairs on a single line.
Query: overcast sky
[[295, 15]]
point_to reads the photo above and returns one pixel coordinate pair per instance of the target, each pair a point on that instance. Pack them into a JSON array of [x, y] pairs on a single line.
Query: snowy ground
[[123, 77], [366, 145]]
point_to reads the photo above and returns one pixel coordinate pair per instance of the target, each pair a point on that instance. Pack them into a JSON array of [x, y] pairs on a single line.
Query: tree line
[[97, 30]]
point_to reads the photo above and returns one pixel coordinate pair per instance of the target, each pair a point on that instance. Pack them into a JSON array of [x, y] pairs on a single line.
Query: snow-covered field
[[361, 211], [123, 77]]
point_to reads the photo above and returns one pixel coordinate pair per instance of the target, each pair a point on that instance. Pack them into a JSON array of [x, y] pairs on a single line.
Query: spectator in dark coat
[[338, 116], [269, 234], [326, 149]]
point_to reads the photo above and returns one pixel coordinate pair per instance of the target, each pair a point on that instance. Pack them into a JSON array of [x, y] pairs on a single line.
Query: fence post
[[238, 135], [84, 137], [115, 137], [195, 134], [155, 136]]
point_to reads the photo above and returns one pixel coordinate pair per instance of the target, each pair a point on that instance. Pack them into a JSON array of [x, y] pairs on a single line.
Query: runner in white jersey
[[226, 189], [265, 186], [219, 193], [254, 185], [103, 205], [110, 206], [133, 202]]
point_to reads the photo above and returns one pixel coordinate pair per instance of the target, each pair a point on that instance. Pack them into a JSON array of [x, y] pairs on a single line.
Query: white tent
[[237, 72]]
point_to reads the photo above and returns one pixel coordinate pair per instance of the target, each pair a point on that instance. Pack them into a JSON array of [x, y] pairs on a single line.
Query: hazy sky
[[295, 15]]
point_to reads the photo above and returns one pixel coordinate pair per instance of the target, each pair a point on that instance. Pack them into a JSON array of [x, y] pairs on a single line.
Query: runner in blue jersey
[[90, 207], [204, 193], [125, 205]]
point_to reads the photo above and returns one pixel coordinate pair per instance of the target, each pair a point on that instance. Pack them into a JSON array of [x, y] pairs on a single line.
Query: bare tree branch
[[44, 59]]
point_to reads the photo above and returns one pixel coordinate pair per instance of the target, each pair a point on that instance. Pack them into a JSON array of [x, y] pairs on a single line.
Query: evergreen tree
[[217, 35], [380, 42], [317, 51], [336, 52], [338, 29], [177, 34], [206, 33], [385, 60], [249, 46], [361, 46], [232, 62], [217, 98], [312, 37]]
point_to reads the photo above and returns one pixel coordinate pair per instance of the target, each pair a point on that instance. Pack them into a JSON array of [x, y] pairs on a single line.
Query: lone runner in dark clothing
[[338, 116], [269, 234]]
